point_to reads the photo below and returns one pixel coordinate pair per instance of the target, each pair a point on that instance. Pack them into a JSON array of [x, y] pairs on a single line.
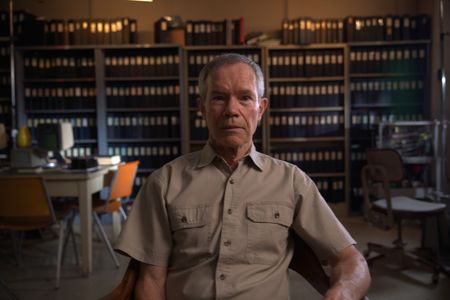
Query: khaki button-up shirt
[[224, 234]]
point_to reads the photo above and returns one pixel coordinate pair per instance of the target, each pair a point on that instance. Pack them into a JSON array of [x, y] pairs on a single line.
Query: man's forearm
[[151, 283], [350, 278]]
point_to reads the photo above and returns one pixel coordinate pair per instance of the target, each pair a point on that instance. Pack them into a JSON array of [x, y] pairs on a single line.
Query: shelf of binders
[[388, 82], [58, 84], [196, 58], [143, 106], [306, 87], [58, 80]]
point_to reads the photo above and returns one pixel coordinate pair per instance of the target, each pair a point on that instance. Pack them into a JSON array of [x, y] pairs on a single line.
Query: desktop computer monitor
[[55, 137]]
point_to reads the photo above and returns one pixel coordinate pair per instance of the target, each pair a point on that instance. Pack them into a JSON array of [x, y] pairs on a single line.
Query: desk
[[67, 183]]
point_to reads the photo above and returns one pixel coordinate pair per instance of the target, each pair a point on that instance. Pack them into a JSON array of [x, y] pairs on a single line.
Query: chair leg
[[122, 212], [105, 239], [71, 235], [62, 229]]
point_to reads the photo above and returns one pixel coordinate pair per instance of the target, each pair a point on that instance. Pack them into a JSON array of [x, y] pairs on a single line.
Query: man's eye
[[246, 98], [218, 98]]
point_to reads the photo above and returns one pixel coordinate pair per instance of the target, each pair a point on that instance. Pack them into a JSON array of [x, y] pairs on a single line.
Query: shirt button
[[222, 277], [227, 243], [277, 215], [229, 211], [232, 181], [183, 219]]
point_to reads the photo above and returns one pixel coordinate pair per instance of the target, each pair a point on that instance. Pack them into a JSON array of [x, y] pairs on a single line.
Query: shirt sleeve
[[315, 222], [146, 235]]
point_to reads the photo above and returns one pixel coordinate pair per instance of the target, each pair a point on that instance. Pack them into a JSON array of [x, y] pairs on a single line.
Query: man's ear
[[263, 102], [201, 105]]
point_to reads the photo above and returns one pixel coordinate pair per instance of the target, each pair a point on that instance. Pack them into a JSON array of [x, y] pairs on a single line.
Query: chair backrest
[[24, 203], [122, 184], [390, 160], [384, 166]]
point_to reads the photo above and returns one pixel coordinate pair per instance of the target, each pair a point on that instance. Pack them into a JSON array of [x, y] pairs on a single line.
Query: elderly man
[[214, 224]]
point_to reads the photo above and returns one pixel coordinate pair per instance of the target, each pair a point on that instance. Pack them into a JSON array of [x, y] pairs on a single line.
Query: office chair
[[384, 168], [119, 190], [25, 205]]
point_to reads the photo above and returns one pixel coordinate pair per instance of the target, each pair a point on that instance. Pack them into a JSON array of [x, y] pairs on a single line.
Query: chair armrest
[[306, 263]]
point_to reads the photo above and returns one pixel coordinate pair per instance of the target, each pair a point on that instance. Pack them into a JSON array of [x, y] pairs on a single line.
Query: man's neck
[[232, 155]]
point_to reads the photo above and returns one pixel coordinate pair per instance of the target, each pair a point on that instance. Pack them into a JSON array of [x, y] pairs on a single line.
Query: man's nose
[[232, 106]]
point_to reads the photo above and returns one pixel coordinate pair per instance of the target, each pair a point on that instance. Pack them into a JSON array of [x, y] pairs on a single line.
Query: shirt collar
[[207, 156]]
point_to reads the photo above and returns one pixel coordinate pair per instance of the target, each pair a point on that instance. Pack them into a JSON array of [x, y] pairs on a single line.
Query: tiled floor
[[34, 278]]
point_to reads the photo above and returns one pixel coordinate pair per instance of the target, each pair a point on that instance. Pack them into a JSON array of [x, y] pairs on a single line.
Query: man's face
[[231, 108]]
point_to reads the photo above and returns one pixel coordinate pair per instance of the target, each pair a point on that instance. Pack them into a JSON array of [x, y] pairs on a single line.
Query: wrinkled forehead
[[238, 74]]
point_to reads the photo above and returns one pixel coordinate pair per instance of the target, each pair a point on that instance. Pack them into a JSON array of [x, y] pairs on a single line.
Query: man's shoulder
[[184, 161]]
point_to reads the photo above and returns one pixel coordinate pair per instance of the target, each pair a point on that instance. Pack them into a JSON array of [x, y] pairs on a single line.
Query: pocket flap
[[189, 217], [270, 213]]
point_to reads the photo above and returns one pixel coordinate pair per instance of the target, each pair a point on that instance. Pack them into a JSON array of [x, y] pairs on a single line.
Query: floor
[[34, 277]]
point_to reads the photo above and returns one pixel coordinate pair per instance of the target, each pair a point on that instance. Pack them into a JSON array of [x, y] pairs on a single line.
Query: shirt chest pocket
[[268, 232], [190, 229]]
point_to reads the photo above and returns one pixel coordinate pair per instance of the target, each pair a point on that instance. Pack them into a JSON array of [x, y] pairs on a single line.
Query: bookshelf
[[389, 82], [143, 103], [121, 100], [59, 84], [196, 58], [140, 101], [307, 115]]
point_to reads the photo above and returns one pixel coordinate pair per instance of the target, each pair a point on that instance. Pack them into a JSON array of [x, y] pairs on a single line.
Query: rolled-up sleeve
[[146, 235]]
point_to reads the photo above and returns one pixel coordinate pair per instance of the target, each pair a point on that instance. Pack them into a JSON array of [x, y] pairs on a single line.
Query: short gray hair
[[229, 59]]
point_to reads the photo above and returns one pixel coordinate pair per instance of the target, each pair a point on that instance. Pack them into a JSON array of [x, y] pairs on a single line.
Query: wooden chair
[[384, 168], [120, 189], [25, 205], [303, 262]]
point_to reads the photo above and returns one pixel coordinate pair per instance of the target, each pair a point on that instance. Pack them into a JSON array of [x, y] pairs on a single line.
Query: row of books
[[206, 32], [300, 63], [309, 31], [388, 28], [410, 59], [143, 96], [84, 128], [142, 65], [193, 93], [371, 119], [62, 97], [198, 128], [50, 66], [386, 92], [355, 28], [143, 125], [318, 160], [150, 157], [198, 59], [306, 124], [80, 151], [331, 189], [290, 95]]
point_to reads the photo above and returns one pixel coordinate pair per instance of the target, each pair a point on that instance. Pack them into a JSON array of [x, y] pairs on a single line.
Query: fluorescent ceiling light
[[142, 0]]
